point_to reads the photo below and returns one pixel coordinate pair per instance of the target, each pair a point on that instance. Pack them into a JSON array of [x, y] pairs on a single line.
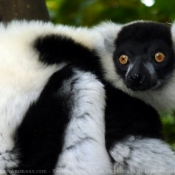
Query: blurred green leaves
[[168, 120], [90, 12]]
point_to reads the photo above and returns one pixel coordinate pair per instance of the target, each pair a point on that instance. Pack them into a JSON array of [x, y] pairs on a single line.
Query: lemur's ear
[[107, 32]]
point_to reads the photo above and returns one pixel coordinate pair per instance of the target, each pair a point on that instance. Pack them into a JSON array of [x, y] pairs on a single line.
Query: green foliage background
[[91, 12]]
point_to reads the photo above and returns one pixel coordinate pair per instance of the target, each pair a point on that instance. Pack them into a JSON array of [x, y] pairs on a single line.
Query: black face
[[144, 55]]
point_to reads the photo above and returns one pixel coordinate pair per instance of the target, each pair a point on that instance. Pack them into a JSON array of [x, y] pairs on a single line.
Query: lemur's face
[[144, 56]]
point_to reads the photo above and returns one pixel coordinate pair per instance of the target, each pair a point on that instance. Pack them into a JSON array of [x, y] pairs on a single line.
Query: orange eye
[[159, 57], [123, 59]]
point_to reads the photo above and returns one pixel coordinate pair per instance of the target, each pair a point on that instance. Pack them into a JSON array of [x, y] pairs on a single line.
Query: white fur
[[38, 28], [163, 99], [142, 156], [104, 45], [84, 151]]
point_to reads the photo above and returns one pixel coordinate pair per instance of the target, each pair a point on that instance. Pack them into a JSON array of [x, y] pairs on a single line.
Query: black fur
[[126, 116], [41, 133], [57, 49], [144, 32]]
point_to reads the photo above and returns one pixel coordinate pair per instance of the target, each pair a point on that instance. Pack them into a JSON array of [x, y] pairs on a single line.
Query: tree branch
[[23, 9]]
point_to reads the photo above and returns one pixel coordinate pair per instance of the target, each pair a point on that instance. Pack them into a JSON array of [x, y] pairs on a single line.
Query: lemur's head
[[139, 59], [144, 56]]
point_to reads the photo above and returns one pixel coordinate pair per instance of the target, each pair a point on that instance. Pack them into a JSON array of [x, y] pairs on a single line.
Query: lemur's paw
[[138, 156]]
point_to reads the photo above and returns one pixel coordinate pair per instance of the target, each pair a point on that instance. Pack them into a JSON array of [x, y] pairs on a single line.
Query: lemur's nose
[[136, 78]]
